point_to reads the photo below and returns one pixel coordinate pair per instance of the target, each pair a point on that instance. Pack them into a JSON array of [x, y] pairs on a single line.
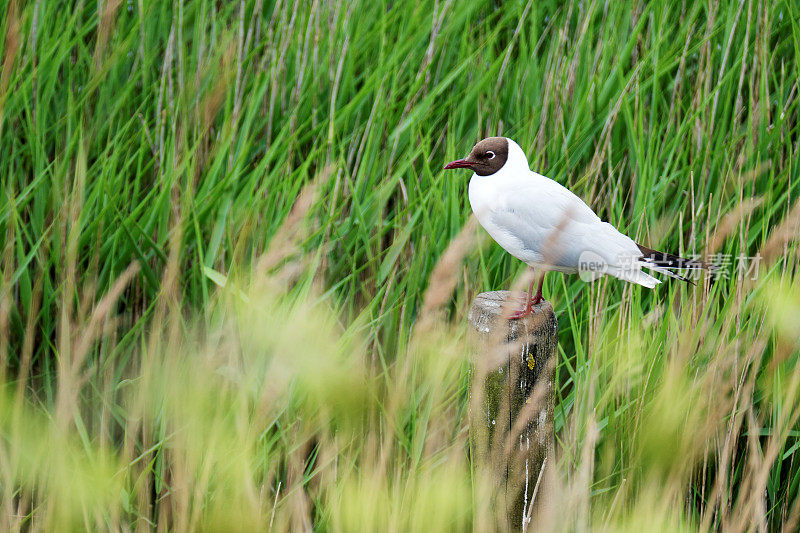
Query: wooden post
[[511, 424]]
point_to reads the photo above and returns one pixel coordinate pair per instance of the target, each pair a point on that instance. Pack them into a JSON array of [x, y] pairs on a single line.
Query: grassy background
[[178, 138]]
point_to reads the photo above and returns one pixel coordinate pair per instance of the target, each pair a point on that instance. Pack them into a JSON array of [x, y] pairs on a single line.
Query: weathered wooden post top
[[512, 403]]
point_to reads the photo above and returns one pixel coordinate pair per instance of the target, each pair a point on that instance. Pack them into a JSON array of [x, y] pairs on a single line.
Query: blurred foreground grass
[[184, 351]]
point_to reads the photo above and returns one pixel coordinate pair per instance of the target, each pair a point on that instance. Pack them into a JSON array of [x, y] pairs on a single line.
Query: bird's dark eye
[[489, 155]]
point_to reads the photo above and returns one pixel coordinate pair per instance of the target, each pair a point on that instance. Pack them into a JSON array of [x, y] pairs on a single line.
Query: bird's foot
[[527, 310], [522, 313]]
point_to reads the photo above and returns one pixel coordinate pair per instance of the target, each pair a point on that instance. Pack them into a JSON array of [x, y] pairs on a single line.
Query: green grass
[[303, 393]]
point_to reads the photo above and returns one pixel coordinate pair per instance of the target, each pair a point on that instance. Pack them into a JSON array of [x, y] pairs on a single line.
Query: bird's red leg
[[528, 309], [538, 298]]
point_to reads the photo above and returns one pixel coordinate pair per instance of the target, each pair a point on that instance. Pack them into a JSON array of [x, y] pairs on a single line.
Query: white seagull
[[541, 222]]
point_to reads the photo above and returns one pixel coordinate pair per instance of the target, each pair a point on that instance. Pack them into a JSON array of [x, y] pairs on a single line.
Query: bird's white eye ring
[[490, 154]]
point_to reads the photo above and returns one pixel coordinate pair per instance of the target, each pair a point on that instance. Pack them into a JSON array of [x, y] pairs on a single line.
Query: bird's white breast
[[489, 195], [482, 197]]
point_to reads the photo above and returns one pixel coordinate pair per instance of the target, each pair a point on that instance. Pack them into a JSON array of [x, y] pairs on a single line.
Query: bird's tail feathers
[[665, 260], [634, 276], [666, 263], [665, 271]]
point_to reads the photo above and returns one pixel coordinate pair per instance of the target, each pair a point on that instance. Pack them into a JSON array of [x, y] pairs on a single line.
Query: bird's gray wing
[[552, 226]]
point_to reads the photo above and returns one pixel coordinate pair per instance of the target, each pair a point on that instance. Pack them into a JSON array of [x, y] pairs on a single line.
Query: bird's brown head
[[486, 157]]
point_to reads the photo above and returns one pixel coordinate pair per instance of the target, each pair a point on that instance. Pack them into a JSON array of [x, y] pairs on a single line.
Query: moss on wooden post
[[512, 402]]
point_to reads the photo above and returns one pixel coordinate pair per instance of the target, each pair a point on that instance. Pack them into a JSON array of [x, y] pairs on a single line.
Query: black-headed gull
[[542, 223]]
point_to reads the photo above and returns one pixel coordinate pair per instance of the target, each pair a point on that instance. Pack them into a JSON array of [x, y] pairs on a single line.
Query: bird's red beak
[[458, 163]]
